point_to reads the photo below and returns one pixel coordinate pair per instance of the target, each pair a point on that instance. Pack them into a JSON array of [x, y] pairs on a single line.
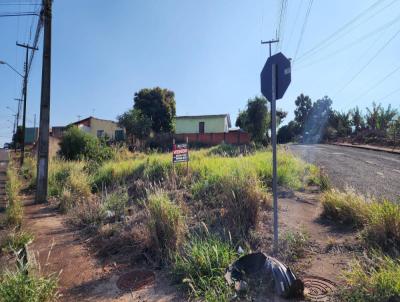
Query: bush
[[227, 150], [293, 245], [201, 265], [14, 210], [166, 223], [18, 286], [78, 145], [374, 280], [345, 207]]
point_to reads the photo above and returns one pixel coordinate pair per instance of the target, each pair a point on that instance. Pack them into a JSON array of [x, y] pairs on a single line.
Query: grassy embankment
[[224, 192], [376, 275]]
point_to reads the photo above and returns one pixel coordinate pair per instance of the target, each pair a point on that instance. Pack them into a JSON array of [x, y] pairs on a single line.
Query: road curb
[[367, 148]]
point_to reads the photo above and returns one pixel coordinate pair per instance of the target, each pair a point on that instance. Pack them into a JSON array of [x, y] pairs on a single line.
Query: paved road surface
[[369, 172], [3, 169]]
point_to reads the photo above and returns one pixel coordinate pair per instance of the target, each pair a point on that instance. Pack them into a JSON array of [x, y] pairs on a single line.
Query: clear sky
[[208, 52]]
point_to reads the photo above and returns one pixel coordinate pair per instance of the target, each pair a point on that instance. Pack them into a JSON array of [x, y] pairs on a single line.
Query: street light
[[5, 63]]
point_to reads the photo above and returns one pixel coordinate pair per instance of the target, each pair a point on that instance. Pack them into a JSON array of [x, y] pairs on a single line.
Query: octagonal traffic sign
[[283, 76]]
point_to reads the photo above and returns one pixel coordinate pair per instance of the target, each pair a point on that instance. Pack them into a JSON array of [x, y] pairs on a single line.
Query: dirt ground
[[84, 278]]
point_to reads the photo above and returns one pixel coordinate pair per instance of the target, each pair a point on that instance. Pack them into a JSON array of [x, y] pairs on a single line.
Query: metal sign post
[[275, 79]]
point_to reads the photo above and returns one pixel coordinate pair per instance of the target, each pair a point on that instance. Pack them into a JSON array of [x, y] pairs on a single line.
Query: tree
[[372, 116], [288, 132], [159, 106], [135, 123], [341, 122], [77, 144], [385, 117], [357, 119], [255, 119], [304, 105]]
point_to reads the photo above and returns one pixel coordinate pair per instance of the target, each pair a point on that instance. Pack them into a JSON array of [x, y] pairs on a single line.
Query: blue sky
[[208, 52]]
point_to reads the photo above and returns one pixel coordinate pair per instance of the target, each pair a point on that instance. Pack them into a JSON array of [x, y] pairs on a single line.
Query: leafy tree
[[288, 132], [304, 105], [135, 123], [159, 106], [341, 122], [385, 117], [77, 144], [357, 119], [255, 119], [372, 116]]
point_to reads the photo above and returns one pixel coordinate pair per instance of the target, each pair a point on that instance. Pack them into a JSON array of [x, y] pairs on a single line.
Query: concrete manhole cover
[[318, 289], [135, 280]]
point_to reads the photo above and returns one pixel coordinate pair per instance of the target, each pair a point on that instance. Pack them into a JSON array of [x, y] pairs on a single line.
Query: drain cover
[[135, 280], [318, 289]]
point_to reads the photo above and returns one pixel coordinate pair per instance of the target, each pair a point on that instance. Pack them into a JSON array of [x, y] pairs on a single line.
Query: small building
[[216, 123], [101, 128], [209, 130]]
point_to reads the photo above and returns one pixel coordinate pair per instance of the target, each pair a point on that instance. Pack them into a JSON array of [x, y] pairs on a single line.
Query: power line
[[327, 41], [303, 28], [296, 19], [24, 14], [281, 23], [361, 39], [368, 62], [379, 82]]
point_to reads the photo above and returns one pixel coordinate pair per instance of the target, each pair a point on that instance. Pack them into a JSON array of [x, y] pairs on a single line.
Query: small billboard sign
[[180, 153]]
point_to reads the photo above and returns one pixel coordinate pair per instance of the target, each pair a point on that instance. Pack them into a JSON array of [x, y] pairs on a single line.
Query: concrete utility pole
[[44, 124], [24, 90]]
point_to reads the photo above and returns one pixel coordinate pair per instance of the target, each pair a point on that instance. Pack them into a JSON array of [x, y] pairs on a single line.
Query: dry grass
[[14, 210]]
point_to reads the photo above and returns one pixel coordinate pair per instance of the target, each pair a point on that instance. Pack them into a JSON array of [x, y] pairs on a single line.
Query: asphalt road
[[368, 172], [3, 169]]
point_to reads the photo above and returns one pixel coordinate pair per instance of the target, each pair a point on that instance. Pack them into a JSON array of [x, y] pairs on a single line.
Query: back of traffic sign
[[283, 76]]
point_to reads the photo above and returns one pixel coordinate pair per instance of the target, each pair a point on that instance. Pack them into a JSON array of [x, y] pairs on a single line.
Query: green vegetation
[[380, 220], [79, 145], [116, 202], [293, 245], [14, 210], [16, 241], [166, 223], [372, 280], [201, 266], [18, 286], [28, 170]]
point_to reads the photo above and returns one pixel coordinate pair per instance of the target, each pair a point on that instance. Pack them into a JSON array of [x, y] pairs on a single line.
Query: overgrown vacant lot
[[139, 209], [141, 205]]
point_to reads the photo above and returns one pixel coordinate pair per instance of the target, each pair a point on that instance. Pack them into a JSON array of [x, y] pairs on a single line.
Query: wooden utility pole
[[44, 124], [25, 91]]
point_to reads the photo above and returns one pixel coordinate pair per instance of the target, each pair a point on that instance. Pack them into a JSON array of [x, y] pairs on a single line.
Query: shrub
[[16, 286], [227, 150], [14, 210], [345, 207], [374, 280], [383, 227], [78, 145], [16, 241], [166, 223], [201, 265]]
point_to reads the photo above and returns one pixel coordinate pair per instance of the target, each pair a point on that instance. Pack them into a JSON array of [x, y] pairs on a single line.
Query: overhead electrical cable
[[339, 33], [359, 40], [368, 62], [303, 28]]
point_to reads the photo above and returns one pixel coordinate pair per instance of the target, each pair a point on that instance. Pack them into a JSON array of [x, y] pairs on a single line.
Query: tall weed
[[14, 210]]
